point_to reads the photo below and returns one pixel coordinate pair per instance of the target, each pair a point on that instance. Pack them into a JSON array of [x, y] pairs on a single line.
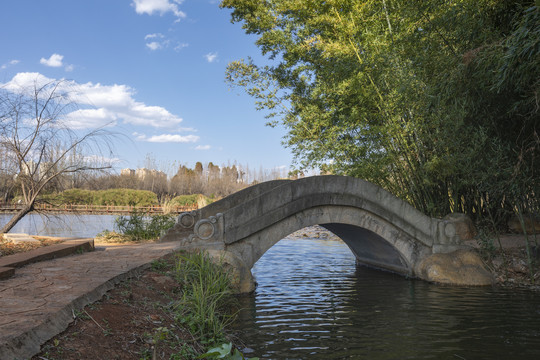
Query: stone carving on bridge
[[207, 231], [187, 219]]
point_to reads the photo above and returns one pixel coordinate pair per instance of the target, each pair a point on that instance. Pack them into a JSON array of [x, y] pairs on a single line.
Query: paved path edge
[[70, 246], [28, 344]]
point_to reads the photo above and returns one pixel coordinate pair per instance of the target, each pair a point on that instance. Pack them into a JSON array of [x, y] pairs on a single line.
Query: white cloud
[[167, 138], [54, 61], [154, 36], [26, 80], [211, 57], [155, 116], [202, 147], [91, 118], [159, 41], [180, 46], [9, 63], [108, 96], [70, 68], [158, 6], [102, 104], [154, 45]]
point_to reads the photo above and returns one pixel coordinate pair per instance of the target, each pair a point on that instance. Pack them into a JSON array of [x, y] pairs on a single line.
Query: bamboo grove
[[436, 101]]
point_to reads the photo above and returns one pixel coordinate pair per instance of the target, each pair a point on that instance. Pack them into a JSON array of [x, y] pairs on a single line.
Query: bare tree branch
[[39, 149]]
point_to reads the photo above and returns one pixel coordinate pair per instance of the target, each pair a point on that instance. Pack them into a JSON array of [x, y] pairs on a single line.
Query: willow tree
[[382, 90], [38, 145]]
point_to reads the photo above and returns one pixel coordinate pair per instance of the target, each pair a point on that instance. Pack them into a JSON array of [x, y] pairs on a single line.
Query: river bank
[[132, 321], [507, 258]]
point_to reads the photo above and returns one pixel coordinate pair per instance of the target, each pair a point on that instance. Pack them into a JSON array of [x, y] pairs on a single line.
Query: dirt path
[[132, 321]]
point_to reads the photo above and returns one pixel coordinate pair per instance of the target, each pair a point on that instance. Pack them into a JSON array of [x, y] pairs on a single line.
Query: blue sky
[[153, 70]]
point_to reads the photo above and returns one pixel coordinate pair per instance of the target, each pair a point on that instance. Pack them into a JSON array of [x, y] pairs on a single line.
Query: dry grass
[[113, 237], [8, 247]]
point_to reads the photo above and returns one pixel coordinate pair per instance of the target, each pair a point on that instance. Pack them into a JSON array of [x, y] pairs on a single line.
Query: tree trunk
[[18, 216]]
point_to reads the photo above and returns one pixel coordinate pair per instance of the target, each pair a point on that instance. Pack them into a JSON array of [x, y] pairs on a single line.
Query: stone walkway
[[41, 299]]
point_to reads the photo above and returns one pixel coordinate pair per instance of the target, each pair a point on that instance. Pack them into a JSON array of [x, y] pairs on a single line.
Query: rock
[[531, 223], [464, 226], [461, 267]]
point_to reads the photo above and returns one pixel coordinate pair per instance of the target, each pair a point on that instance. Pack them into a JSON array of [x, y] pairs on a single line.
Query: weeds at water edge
[[207, 298]]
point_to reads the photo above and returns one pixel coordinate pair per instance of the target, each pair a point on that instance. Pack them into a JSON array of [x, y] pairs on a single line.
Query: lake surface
[[65, 225], [312, 302]]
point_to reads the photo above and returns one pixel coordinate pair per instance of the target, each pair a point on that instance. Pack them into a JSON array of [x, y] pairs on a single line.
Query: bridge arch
[[373, 240], [381, 230]]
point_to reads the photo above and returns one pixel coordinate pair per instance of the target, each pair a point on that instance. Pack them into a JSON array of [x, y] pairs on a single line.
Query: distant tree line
[[154, 186]]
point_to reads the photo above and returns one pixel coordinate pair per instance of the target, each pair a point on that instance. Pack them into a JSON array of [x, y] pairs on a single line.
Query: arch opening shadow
[[369, 248]]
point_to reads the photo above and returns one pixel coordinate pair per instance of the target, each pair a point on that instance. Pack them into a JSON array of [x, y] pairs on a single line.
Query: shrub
[[140, 226], [123, 197], [184, 200], [115, 197]]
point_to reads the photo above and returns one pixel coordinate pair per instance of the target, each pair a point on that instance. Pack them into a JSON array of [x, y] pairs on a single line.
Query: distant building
[[45, 168], [31, 169], [144, 173], [127, 172]]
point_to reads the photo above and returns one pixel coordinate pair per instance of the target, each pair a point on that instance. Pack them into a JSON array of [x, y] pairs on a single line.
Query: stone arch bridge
[[380, 229]]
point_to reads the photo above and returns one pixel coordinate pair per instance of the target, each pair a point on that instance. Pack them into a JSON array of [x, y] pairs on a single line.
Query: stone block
[[465, 228], [461, 267]]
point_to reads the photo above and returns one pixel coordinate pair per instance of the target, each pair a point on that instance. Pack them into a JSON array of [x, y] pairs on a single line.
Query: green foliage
[[184, 200], [74, 196], [159, 265], [435, 101], [114, 197], [185, 352], [119, 197], [204, 308], [139, 226]]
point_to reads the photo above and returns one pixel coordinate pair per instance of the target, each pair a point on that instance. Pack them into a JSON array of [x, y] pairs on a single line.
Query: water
[[65, 225], [313, 303]]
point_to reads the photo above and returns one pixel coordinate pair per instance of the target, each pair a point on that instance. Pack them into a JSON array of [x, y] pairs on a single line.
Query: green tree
[[400, 92]]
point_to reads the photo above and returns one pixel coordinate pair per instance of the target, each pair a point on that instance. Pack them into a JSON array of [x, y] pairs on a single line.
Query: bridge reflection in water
[[312, 302]]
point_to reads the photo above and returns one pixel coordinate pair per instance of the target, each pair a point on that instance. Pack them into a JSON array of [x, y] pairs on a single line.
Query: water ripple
[[313, 303]]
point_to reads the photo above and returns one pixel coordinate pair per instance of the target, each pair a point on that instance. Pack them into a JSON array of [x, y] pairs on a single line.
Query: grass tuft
[[207, 297]]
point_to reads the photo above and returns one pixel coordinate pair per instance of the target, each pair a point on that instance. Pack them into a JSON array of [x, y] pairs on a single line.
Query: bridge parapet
[[286, 200], [253, 209], [187, 220]]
